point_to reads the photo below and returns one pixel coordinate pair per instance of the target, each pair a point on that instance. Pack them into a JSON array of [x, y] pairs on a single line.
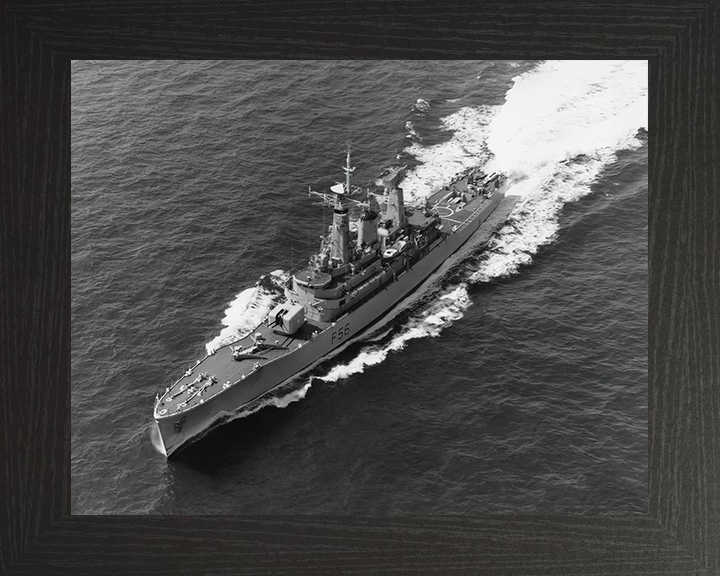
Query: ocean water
[[514, 383]]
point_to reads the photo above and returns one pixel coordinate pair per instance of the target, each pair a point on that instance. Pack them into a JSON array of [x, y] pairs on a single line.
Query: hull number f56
[[340, 333]]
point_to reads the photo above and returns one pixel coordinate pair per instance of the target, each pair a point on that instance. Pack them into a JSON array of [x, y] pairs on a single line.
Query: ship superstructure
[[358, 275]]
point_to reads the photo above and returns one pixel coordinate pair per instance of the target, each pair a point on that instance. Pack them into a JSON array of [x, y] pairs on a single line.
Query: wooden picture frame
[[680, 535]]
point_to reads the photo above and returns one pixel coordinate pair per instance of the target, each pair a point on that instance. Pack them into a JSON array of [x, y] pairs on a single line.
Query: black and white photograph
[[359, 287]]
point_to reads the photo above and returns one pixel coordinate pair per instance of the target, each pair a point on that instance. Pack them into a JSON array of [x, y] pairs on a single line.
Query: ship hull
[[180, 429]]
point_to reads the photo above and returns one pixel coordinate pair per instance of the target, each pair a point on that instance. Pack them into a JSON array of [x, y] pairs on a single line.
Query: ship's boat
[[357, 277]]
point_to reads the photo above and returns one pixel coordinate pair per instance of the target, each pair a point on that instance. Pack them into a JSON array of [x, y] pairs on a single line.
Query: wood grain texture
[[681, 533]]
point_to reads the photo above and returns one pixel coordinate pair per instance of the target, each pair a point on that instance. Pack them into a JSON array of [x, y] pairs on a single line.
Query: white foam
[[553, 113], [412, 133], [562, 123], [439, 163], [156, 439], [248, 309], [282, 401], [421, 106], [562, 109]]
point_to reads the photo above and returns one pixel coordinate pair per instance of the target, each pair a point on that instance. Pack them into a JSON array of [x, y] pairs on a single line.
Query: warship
[[359, 275]]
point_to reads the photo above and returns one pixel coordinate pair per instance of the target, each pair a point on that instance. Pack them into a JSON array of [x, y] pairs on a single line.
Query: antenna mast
[[348, 172]]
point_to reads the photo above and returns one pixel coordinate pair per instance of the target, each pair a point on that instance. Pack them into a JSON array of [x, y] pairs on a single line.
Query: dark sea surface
[[514, 383]]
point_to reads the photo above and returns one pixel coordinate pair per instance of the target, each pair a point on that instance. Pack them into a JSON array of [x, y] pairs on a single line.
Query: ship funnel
[[367, 228], [395, 206], [339, 239]]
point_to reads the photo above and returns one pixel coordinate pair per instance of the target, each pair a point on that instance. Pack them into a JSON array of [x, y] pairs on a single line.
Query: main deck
[[220, 370]]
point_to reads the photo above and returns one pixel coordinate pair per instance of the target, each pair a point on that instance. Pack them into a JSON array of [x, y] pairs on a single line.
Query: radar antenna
[[333, 199]]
